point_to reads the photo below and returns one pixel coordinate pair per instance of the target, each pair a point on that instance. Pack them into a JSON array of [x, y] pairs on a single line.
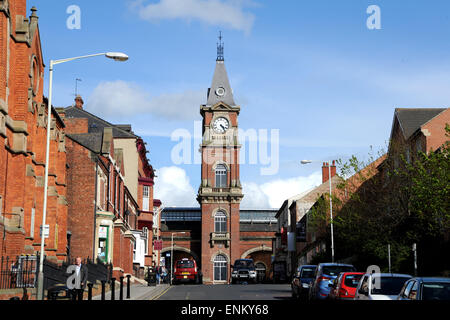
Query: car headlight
[[305, 285]]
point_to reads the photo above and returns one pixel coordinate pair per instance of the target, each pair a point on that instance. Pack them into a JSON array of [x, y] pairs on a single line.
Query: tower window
[[220, 222], [220, 268], [221, 176]]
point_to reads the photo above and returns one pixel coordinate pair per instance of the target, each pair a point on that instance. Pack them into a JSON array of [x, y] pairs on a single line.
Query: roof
[[412, 119], [96, 124], [220, 80], [195, 214], [92, 141]]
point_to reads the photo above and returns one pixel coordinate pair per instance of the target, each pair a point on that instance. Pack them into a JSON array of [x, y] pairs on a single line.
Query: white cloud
[[273, 193], [119, 98], [226, 13], [173, 188], [281, 189]]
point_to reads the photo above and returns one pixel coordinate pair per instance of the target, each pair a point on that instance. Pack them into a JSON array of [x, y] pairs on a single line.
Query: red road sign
[[157, 244]]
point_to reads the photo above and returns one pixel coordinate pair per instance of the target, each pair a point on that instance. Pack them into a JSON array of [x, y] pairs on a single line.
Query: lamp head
[[117, 56], [306, 161]]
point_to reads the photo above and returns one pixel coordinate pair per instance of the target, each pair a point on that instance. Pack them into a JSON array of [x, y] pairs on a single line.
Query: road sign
[[157, 244], [46, 231]]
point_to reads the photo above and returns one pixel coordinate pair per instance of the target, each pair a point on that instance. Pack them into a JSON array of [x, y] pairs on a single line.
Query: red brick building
[[219, 232], [102, 211], [23, 114]]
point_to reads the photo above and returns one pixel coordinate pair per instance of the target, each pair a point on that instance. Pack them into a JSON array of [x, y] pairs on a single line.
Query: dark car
[[243, 271], [302, 280], [324, 276], [426, 289]]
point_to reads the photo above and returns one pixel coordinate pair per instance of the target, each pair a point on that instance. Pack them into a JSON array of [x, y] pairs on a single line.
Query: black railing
[[22, 272], [19, 272]]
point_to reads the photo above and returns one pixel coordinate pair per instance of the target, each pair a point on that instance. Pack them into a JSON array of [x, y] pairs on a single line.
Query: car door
[[412, 295]]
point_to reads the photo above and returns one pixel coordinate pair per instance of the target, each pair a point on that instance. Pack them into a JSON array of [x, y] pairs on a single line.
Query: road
[[228, 292]]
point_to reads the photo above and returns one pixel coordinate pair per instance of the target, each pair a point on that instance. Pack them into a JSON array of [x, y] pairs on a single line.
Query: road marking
[[161, 294]]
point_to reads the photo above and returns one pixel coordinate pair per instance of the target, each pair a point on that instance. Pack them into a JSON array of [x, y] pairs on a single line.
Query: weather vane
[[220, 55]]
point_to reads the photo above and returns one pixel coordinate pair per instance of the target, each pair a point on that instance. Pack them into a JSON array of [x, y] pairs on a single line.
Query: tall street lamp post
[[117, 56], [331, 206], [171, 256]]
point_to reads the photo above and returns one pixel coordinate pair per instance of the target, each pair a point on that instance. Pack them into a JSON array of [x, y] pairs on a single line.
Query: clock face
[[221, 125], [220, 92]]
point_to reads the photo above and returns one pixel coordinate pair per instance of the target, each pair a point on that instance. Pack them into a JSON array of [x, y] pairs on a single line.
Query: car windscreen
[[388, 285], [185, 264], [352, 280], [244, 264], [335, 270], [436, 291], [307, 273]]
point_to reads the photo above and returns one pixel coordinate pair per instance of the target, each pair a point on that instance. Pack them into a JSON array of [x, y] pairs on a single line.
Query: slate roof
[[195, 214], [411, 119], [96, 124], [220, 80], [92, 141]]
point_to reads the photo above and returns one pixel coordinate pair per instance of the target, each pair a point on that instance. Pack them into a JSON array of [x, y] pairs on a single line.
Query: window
[[221, 176], [146, 199], [220, 222], [413, 293], [220, 268]]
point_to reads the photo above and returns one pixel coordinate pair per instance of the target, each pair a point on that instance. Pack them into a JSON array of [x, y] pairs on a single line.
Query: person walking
[[82, 274]]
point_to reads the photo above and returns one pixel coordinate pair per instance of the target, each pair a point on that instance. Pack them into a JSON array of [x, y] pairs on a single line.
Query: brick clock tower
[[220, 192]]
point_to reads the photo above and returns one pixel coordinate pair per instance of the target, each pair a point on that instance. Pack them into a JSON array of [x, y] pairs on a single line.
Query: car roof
[[433, 279], [307, 266], [398, 275]]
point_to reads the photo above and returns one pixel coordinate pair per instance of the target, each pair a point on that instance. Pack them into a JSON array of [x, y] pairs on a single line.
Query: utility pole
[[389, 257]]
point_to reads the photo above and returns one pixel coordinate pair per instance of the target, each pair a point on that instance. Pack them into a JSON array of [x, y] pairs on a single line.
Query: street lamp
[[331, 206], [117, 56], [171, 256]]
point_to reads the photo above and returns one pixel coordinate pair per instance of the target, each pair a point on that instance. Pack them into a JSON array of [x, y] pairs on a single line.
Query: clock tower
[[220, 191]]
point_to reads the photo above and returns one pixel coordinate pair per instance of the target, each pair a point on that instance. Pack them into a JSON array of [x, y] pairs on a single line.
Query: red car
[[185, 271], [344, 286]]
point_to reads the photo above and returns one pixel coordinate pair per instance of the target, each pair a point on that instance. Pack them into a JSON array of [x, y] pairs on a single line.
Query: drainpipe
[[95, 209]]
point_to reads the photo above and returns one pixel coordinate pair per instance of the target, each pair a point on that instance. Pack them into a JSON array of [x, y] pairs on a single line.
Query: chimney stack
[[325, 172], [79, 102]]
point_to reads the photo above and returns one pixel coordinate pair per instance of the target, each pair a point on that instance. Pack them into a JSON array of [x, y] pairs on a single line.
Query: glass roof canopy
[[194, 214]]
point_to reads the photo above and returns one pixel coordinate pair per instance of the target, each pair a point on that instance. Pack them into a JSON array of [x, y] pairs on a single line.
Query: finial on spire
[[220, 56]]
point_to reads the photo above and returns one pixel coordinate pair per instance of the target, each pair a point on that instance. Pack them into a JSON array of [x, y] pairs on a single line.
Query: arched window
[[220, 268], [220, 222], [221, 176]]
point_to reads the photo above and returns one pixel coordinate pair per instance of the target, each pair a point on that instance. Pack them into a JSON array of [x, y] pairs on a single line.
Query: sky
[[310, 74]]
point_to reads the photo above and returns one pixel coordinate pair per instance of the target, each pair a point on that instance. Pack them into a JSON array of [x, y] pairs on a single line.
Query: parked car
[[426, 289], [185, 271], [380, 286], [243, 271], [302, 280], [324, 275], [344, 286]]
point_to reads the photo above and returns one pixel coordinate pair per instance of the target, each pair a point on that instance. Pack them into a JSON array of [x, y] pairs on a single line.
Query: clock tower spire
[[220, 191]]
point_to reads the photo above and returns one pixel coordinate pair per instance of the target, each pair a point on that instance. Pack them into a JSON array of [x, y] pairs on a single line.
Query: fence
[[22, 272]]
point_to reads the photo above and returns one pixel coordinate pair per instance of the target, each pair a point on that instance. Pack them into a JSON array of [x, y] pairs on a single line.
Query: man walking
[[82, 274]]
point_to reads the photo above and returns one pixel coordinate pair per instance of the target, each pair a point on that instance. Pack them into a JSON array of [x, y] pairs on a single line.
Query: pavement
[[137, 292]]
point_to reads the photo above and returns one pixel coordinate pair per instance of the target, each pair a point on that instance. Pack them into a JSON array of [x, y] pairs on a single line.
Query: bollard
[[90, 285], [113, 288], [121, 288], [103, 289], [128, 287]]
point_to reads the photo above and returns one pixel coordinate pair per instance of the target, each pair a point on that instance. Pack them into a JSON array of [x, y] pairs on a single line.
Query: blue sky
[[311, 69]]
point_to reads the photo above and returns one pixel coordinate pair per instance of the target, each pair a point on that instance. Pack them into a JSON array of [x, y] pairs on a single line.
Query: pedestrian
[[164, 274], [158, 275], [82, 274]]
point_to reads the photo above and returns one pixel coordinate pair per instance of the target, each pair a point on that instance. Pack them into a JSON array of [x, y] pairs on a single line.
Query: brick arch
[[178, 248], [256, 249]]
